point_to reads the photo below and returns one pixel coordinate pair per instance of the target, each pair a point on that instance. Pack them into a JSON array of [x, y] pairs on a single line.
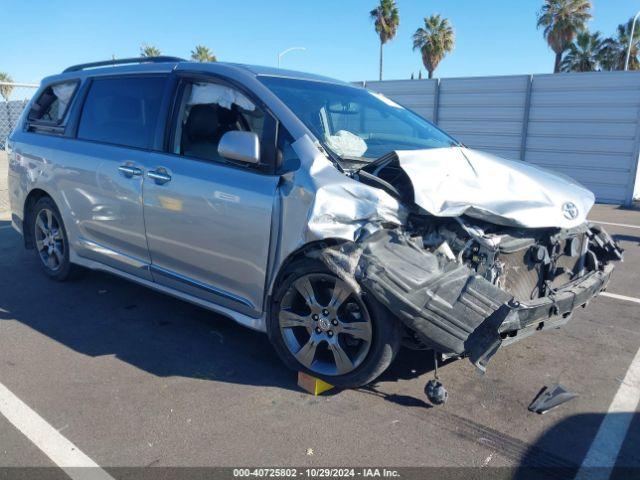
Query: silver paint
[[450, 182], [241, 146], [216, 235]]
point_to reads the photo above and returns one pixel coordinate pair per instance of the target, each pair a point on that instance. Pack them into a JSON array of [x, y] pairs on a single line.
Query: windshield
[[354, 123]]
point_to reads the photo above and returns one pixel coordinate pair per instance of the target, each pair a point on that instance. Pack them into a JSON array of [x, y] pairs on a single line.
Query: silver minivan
[[326, 215]]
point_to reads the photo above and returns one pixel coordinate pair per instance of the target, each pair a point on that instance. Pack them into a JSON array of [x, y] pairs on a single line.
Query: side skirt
[[258, 324]]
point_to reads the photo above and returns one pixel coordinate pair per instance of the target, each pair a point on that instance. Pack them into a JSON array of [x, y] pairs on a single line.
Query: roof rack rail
[[122, 61]]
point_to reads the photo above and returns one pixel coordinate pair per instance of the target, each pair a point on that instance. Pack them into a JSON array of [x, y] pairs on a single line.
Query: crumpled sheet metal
[[449, 182], [449, 306], [317, 202], [332, 204]]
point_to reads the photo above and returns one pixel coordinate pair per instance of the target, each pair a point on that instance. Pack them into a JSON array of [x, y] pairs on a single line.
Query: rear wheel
[[321, 325], [50, 240]]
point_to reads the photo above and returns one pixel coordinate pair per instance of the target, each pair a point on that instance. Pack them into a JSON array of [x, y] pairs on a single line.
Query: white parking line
[[613, 429], [60, 450], [626, 225], [620, 297]]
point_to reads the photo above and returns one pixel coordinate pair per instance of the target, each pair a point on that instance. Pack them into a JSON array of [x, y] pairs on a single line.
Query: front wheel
[[321, 325]]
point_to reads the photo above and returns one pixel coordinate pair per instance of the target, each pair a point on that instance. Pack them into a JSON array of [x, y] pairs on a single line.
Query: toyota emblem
[[570, 210]]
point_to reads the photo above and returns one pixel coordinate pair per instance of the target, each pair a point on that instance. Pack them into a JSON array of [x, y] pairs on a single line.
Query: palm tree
[[562, 21], [202, 54], [149, 51], [614, 50], [584, 54], [386, 20], [434, 41], [5, 90]]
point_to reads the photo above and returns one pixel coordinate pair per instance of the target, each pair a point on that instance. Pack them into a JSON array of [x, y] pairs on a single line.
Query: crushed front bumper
[[451, 308], [514, 321]]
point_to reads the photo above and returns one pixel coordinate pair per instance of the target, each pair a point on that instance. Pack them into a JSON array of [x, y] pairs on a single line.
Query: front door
[[208, 220]]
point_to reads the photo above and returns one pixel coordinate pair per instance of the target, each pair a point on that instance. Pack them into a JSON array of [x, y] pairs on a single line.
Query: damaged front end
[[466, 290], [466, 263]]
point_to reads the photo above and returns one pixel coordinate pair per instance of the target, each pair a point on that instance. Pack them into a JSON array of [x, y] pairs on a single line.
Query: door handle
[[129, 171], [160, 176]]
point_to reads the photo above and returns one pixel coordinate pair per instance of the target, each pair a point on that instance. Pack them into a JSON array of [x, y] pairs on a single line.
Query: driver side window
[[208, 111]]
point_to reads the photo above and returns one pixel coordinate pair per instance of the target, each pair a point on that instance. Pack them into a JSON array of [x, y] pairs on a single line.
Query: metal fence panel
[[13, 98], [585, 125], [418, 95]]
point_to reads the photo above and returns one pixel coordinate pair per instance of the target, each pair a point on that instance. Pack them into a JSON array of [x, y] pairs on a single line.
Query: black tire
[[62, 269], [385, 339]]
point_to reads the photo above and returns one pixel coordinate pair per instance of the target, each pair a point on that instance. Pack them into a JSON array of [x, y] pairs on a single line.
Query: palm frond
[[149, 51], [202, 53], [386, 20], [5, 90], [585, 54], [562, 20], [434, 40]]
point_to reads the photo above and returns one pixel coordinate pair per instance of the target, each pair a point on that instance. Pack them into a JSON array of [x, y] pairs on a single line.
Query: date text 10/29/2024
[[316, 472]]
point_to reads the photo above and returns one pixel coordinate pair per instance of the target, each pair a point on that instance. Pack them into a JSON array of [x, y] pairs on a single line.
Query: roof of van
[[167, 64]]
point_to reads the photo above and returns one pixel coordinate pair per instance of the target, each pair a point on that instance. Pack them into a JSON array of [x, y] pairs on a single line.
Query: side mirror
[[241, 146]]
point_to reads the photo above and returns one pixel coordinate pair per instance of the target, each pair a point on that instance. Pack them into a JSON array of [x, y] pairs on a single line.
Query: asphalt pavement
[[135, 378]]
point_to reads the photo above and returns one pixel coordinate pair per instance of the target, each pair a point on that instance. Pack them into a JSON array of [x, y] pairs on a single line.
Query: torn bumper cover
[[454, 310]]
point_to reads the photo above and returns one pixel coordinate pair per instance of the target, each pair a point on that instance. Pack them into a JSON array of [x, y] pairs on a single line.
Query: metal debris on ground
[[549, 398], [436, 393], [434, 389]]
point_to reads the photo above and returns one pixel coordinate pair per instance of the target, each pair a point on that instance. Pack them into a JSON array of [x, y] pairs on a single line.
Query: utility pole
[[284, 52], [633, 28]]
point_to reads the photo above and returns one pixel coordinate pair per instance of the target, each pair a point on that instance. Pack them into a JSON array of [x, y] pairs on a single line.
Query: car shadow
[[101, 314], [626, 238], [634, 207], [560, 451]]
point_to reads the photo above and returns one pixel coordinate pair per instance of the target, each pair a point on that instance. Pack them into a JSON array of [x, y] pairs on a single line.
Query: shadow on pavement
[[101, 314], [561, 449], [626, 238]]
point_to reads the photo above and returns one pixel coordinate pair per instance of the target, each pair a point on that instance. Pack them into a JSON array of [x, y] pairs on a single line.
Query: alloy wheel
[[325, 324], [49, 239]]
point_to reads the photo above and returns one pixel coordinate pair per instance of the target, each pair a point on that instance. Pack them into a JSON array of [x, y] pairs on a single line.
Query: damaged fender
[[317, 202]]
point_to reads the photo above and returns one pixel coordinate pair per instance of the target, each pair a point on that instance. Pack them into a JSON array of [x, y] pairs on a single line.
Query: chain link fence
[[13, 99]]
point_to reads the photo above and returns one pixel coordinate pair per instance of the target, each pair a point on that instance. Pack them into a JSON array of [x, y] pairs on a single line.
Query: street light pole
[[633, 27], [281, 54]]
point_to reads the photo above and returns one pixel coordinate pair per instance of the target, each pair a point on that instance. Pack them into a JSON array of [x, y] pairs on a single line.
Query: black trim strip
[[201, 286]]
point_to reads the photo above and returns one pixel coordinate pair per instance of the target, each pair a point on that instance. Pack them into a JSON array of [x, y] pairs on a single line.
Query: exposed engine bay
[[464, 286]]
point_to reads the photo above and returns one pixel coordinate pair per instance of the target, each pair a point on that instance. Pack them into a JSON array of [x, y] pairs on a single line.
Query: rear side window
[[122, 111], [51, 106]]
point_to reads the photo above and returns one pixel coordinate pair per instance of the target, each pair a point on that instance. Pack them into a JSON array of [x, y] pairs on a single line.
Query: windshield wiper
[[379, 161]]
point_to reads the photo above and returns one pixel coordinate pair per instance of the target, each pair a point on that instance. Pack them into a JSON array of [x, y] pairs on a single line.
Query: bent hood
[[449, 182]]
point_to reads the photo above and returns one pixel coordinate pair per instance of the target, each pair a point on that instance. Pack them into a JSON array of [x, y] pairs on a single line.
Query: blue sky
[[494, 37]]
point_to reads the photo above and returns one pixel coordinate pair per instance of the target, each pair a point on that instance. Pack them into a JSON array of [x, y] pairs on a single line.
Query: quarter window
[[53, 103], [122, 111]]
